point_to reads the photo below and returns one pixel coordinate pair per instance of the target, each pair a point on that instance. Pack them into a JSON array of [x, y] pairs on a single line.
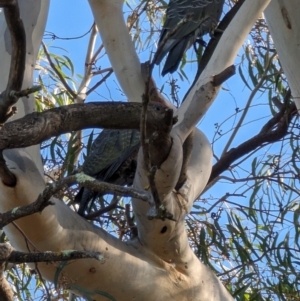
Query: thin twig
[[100, 71], [101, 211], [247, 106], [100, 82], [103, 187], [27, 240]]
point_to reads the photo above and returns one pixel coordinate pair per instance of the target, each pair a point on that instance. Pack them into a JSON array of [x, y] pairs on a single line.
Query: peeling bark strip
[[11, 94], [18, 57], [6, 293], [156, 147], [37, 127], [286, 18]]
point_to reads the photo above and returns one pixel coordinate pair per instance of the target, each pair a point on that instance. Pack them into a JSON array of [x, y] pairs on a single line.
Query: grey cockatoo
[[112, 159], [203, 17]]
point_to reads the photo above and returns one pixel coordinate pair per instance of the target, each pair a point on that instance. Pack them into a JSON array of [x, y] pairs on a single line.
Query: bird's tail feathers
[[175, 56], [84, 197], [163, 52]]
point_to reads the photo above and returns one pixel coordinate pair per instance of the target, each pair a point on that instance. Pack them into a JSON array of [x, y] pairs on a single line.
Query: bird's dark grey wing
[[175, 55], [195, 10], [106, 148], [177, 10], [118, 165], [203, 18], [109, 152], [211, 22]]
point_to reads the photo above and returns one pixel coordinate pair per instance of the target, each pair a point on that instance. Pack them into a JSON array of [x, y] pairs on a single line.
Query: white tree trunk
[[284, 23]]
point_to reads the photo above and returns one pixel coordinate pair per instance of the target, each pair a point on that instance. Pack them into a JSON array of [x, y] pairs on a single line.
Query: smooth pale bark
[[167, 238], [284, 23], [109, 18], [124, 271]]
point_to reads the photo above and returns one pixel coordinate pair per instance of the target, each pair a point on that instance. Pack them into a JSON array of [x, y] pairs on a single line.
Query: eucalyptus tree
[[180, 237]]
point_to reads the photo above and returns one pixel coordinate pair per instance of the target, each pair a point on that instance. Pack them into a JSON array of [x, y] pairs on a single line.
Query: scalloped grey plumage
[[111, 159], [204, 16]]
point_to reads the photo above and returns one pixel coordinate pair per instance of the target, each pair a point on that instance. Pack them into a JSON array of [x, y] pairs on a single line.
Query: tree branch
[[220, 78], [22, 133], [43, 199], [282, 119], [8, 254], [88, 65], [156, 147]]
